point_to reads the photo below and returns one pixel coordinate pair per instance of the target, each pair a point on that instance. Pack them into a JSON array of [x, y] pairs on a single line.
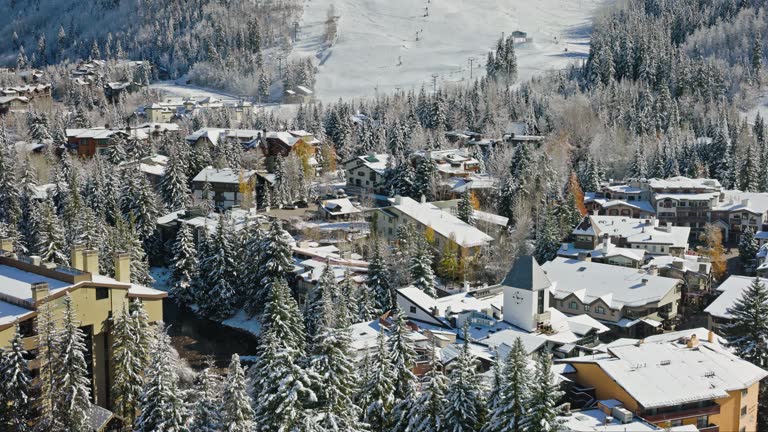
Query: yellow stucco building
[[675, 379], [26, 283]]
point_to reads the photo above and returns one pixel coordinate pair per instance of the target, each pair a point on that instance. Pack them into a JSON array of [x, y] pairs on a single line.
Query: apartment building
[[448, 229], [229, 187], [684, 378], [26, 283], [631, 302], [638, 234], [367, 175]]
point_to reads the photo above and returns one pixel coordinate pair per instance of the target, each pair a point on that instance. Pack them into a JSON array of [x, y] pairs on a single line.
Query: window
[[744, 392], [586, 308], [573, 305], [413, 309], [540, 306], [102, 293], [743, 411], [601, 310], [702, 422], [676, 423]]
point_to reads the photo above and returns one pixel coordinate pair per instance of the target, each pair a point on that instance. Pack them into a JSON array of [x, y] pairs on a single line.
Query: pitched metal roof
[[527, 274]]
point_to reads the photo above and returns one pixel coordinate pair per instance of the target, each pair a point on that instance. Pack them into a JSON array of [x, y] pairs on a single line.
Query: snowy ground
[[377, 50]]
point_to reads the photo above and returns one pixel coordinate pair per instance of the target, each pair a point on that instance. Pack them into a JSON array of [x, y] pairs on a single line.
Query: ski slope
[[377, 48]]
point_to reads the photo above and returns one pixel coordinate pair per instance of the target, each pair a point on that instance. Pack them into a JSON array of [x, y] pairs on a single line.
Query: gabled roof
[[527, 274]]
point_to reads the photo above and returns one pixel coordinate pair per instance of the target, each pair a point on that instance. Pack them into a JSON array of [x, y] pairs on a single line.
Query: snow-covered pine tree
[[402, 356], [161, 405], [334, 366], [184, 266], [378, 280], [366, 308], [464, 406], [542, 409], [281, 385], [639, 167], [216, 294], [72, 394], [10, 206], [128, 368], [464, 209], [318, 300], [47, 349], [427, 411], [420, 267], [139, 204], [748, 246], [206, 412], [51, 245], [236, 411], [749, 176], [513, 394], [547, 241], [173, 184], [377, 393], [424, 179], [748, 333], [15, 387], [276, 261], [493, 399]]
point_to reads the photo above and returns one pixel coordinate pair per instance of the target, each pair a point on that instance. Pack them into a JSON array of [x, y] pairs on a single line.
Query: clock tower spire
[[526, 294]]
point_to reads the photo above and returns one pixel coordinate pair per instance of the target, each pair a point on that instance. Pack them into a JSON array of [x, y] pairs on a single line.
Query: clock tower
[[526, 294]]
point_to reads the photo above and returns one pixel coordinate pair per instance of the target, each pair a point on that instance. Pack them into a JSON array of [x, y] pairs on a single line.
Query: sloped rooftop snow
[[659, 374], [443, 223], [222, 175], [731, 290], [616, 285], [681, 182], [17, 283], [636, 230]]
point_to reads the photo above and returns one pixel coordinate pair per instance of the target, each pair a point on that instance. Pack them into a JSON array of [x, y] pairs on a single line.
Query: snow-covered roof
[[688, 263], [681, 182], [11, 313], [16, 283], [490, 218], [595, 420], [154, 165], [340, 206], [753, 202], [364, 335], [617, 286], [376, 162], [473, 182], [568, 250], [223, 175], [731, 290], [635, 230], [660, 373], [441, 222]]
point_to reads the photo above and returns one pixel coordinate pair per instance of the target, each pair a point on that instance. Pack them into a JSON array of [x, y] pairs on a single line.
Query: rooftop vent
[[581, 269], [665, 362]]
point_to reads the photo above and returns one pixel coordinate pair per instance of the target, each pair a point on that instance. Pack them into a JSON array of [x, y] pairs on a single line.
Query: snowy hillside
[[376, 47]]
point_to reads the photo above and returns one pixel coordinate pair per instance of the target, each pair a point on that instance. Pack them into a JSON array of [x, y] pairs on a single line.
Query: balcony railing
[[683, 414], [710, 428]]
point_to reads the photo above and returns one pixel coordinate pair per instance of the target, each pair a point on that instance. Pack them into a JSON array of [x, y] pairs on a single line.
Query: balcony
[[683, 414]]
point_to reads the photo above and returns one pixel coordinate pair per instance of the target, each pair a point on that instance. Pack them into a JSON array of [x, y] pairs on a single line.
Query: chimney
[[584, 256], [693, 342], [36, 260], [653, 270], [123, 267], [77, 257], [745, 202], [91, 261], [6, 245], [398, 200], [644, 281], [606, 243], [39, 291], [423, 199], [711, 337], [466, 286]]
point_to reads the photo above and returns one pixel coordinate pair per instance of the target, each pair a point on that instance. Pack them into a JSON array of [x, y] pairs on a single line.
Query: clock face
[[518, 298]]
